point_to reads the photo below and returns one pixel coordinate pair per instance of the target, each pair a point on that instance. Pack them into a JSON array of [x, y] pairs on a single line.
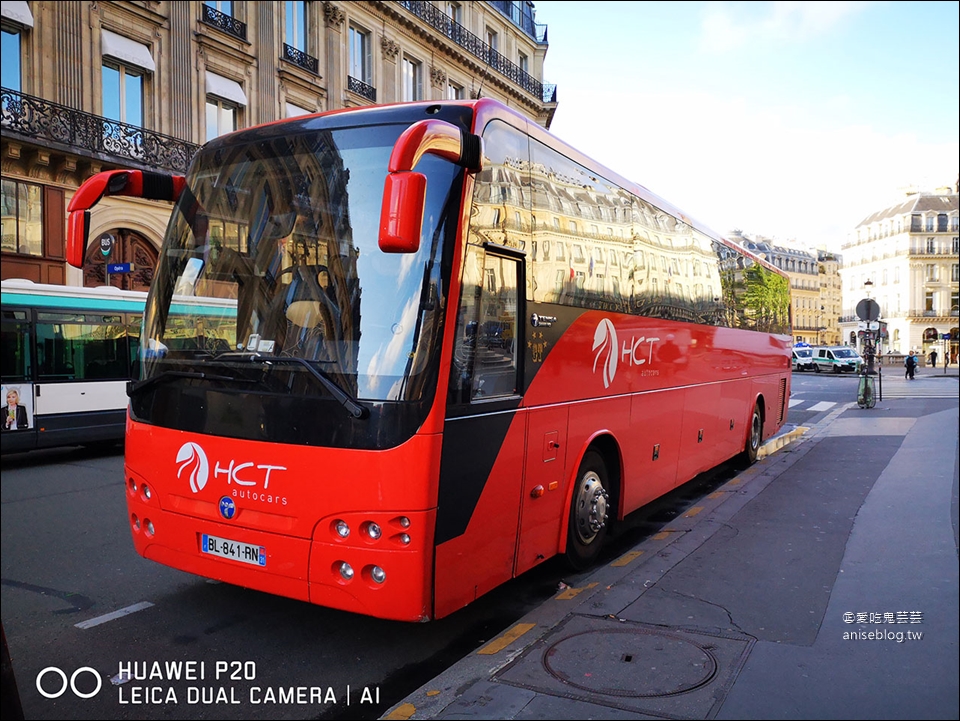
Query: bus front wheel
[[588, 512]]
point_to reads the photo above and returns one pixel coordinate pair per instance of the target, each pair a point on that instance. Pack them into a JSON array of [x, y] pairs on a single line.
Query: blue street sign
[[119, 267]]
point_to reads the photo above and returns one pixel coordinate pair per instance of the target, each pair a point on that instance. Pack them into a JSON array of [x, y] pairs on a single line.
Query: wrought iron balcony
[[37, 120], [298, 57], [222, 21], [441, 22], [361, 88]]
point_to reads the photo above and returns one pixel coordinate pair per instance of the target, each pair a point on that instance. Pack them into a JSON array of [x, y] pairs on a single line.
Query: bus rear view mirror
[[404, 191], [401, 215], [134, 183]]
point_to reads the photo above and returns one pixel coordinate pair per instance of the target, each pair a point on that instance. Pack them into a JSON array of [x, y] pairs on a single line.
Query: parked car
[[839, 359], [803, 359]]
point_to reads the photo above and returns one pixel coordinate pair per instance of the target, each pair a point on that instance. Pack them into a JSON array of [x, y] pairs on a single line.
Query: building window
[[221, 117], [524, 62], [931, 245], [955, 273], [928, 301], [954, 300], [932, 275], [10, 70], [491, 38], [223, 6], [454, 11], [929, 224], [942, 223], [296, 28], [123, 94], [412, 80], [22, 218], [360, 55], [454, 91]]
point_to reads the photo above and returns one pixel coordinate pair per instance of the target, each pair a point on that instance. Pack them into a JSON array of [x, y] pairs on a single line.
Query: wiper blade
[[135, 388], [353, 407]]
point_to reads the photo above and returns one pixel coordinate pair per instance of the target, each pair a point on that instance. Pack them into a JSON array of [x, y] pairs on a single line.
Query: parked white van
[[839, 359], [803, 358]]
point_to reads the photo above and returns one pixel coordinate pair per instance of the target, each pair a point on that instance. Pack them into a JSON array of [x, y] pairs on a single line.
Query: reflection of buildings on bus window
[[592, 244]]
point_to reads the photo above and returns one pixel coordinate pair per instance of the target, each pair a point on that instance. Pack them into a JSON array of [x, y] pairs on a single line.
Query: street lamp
[[867, 286], [820, 327]]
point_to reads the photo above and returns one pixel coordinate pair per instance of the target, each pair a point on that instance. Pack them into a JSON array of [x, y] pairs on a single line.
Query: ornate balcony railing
[[361, 88], [222, 21], [298, 57], [41, 120], [441, 22]]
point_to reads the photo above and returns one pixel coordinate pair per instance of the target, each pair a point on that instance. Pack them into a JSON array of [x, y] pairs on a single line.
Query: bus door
[[83, 366], [19, 432], [481, 465]]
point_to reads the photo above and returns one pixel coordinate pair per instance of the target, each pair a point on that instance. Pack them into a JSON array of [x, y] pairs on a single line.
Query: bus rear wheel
[[588, 512]]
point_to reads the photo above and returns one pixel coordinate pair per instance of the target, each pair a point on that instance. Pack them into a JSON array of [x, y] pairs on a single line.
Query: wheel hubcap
[[591, 514]]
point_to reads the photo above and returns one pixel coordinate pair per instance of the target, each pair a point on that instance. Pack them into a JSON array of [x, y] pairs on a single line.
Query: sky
[[789, 120]]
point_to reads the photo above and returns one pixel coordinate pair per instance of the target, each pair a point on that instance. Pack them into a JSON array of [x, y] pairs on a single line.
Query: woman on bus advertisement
[[16, 417]]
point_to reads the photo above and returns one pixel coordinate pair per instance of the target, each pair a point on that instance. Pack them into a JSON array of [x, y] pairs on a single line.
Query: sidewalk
[[820, 583]]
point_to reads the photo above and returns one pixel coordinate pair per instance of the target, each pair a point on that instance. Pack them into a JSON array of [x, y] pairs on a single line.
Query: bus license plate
[[234, 550]]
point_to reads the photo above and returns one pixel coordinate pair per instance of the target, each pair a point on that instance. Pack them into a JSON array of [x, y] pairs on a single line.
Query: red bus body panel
[[280, 493]]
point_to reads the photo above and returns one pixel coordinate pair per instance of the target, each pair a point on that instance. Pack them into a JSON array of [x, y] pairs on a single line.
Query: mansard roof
[[919, 203]]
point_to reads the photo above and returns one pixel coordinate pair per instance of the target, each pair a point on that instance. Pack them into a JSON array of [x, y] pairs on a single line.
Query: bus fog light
[[136, 521], [373, 530], [405, 538], [404, 522], [342, 529], [378, 574], [148, 524], [132, 484], [346, 571], [147, 493]]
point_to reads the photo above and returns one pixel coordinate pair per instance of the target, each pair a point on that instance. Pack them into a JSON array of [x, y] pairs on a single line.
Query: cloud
[[728, 26]]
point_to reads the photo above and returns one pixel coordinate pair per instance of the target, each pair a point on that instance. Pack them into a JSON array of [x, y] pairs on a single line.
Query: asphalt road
[[95, 631]]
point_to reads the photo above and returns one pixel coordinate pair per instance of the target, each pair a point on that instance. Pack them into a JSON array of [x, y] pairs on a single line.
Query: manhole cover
[[630, 663]]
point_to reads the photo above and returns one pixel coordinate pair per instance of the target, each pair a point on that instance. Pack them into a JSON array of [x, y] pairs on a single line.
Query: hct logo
[[192, 459], [605, 344]]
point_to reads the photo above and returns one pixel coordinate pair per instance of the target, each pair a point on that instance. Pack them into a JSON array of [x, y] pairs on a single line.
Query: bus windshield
[[272, 254]]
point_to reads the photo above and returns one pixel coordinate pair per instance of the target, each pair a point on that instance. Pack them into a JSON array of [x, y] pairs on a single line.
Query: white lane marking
[[795, 401], [115, 615], [822, 406]]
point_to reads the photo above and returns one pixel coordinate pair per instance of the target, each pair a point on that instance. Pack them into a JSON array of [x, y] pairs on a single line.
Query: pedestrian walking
[[933, 359], [910, 363]]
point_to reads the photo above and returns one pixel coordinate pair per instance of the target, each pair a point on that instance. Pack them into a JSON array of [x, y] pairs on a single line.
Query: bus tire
[[754, 437], [589, 523]]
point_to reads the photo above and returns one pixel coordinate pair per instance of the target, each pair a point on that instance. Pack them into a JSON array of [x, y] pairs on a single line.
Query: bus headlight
[[342, 529], [373, 530], [378, 574], [346, 571]]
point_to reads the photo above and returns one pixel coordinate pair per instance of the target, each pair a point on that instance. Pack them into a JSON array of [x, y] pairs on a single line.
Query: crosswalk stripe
[[822, 406]]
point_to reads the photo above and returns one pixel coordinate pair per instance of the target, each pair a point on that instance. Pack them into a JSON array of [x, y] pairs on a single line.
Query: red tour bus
[[452, 347]]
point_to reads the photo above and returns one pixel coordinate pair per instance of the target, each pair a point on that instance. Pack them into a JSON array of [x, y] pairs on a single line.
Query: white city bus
[[67, 354]]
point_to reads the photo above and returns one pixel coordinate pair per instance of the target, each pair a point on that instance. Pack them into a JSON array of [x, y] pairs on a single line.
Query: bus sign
[[119, 267]]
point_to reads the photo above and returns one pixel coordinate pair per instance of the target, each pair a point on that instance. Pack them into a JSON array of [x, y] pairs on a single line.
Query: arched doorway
[[123, 246]]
